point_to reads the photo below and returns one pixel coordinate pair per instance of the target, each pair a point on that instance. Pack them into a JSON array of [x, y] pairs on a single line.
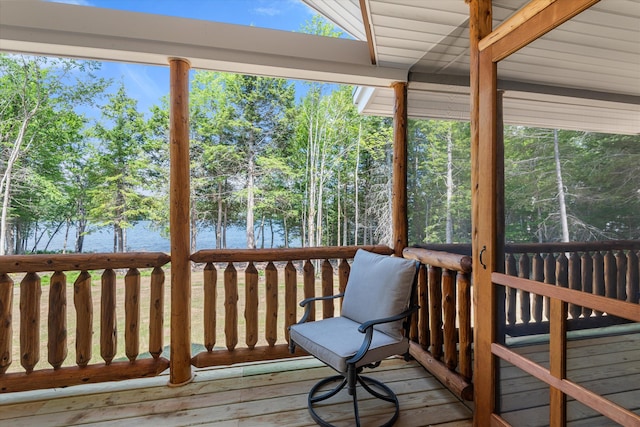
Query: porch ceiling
[[584, 75]]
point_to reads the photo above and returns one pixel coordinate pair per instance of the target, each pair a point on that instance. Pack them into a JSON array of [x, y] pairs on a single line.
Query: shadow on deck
[[255, 394]]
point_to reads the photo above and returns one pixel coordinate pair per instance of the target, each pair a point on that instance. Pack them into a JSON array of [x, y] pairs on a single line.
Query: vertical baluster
[[423, 302], [537, 274], [57, 323], [30, 292], [271, 279], [210, 278], [633, 278], [575, 276], [510, 269], [598, 277], [586, 266], [549, 276], [6, 328], [327, 289], [525, 297], [343, 278], [251, 305], [610, 275], [464, 312], [621, 279], [84, 318], [290, 297], [132, 313], [231, 306], [309, 275], [435, 310], [108, 325], [156, 313], [562, 271], [449, 309]]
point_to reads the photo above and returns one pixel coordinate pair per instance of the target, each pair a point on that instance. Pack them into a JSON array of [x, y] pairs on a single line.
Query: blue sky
[[148, 84]]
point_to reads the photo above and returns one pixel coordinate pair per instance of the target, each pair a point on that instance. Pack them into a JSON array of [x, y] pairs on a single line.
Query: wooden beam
[[399, 195], [558, 361], [483, 223], [535, 19], [179, 222], [364, 9]]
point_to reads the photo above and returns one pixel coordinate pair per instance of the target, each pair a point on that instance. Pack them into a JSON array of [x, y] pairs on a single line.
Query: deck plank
[[262, 394]]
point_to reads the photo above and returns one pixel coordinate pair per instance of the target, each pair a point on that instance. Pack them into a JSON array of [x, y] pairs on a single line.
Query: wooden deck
[[260, 394], [608, 365]]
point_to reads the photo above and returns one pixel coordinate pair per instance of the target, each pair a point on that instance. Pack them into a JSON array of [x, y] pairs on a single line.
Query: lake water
[[143, 238]]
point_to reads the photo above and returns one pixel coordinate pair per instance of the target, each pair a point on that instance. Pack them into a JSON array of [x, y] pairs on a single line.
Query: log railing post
[[179, 220], [30, 292], [84, 318], [57, 321], [6, 329], [399, 195]]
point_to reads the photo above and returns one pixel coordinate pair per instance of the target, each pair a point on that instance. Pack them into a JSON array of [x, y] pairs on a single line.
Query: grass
[[197, 314]]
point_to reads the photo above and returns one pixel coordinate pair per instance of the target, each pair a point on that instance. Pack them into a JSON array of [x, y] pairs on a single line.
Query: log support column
[[180, 355], [483, 209], [399, 219]]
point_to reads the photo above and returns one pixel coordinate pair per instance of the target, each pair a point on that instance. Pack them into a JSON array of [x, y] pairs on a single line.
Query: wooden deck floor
[[606, 365], [263, 394]]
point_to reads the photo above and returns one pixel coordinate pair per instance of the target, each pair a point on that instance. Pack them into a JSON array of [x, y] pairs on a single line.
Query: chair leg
[[367, 384]]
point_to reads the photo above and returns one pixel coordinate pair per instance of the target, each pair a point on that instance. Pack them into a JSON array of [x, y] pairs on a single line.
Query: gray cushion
[[336, 339], [379, 286]]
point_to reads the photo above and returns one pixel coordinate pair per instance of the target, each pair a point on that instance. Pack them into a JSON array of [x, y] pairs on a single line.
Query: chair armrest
[[368, 324], [367, 328], [306, 303]]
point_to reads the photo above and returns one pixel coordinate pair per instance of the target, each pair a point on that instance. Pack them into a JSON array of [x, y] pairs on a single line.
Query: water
[[143, 238]]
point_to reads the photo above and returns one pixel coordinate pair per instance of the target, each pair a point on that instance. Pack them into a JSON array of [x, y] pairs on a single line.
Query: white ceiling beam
[[54, 29]]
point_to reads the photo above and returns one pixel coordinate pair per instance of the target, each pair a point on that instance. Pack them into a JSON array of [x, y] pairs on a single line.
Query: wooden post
[[399, 195], [179, 221], [483, 206], [6, 329]]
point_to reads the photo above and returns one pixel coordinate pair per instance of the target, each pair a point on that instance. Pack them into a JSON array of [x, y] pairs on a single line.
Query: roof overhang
[[583, 75], [54, 29]]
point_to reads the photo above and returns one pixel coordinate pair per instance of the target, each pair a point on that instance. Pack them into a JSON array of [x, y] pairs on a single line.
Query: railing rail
[[30, 322], [556, 374], [273, 345], [441, 334], [608, 268]]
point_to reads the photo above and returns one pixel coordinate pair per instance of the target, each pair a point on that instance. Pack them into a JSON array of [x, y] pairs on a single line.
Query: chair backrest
[[379, 286]]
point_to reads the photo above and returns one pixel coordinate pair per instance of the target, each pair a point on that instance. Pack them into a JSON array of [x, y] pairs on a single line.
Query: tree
[[259, 107], [37, 96], [121, 168]]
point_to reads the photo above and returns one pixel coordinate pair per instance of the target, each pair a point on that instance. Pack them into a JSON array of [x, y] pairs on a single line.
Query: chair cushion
[[336, 339], [379, 286]]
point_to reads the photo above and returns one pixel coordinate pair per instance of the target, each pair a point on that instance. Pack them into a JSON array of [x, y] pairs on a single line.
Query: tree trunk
[[219, 221], [449, 224], [355, 185], [251, 241], [561, 199]]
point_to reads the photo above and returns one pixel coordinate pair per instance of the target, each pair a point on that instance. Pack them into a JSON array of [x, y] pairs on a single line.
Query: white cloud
[[268, 11], [143, 82], [76, 2]]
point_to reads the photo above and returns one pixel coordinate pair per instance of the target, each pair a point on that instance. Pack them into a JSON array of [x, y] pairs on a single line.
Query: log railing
[[441, 334], [30, 322], [608, 268], [268, 312]]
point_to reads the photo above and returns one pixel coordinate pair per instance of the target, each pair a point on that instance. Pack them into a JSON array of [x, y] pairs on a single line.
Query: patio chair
[[372, 326]]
